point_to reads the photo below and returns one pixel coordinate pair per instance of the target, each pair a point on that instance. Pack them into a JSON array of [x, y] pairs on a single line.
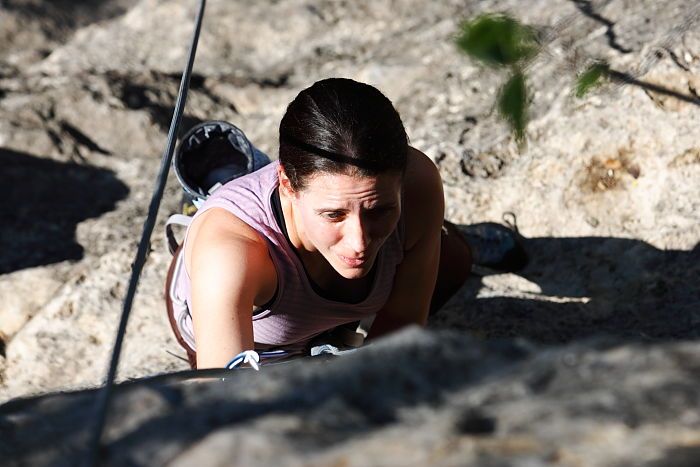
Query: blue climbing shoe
[[495, 248]]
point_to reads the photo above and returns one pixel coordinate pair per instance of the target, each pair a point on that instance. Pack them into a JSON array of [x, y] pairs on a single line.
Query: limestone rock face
[[448, 399], [606, 194]]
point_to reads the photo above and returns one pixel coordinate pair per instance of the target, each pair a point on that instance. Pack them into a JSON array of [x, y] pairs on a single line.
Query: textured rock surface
[[607, 193], [448, 400]]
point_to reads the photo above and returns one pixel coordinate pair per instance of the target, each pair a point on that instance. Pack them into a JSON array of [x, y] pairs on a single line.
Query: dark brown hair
[[341, 126]]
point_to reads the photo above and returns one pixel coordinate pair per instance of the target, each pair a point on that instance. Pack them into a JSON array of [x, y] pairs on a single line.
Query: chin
[[353, 273]]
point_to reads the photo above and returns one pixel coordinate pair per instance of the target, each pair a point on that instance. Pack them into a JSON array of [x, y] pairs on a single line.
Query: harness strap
[[176, 219]]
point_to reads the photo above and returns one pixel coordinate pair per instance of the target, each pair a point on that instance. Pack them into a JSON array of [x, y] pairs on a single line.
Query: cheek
[[320, 232], [387, 224]]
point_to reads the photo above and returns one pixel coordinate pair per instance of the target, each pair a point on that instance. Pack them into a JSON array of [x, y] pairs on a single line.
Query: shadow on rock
[[43, 201], [150, 97], [680, 456], [588, 286], [337, 400], [69, 14]]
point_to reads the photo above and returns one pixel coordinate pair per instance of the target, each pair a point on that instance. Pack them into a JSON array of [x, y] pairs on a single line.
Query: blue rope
[[104, 396]]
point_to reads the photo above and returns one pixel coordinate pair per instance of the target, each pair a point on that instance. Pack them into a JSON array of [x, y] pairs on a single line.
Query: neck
[[293, 231], [313, 261]]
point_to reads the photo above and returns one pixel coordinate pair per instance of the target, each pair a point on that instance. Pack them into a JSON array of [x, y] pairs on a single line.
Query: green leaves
[[501, 41], [498, 40], [590, 78], [512, 104]]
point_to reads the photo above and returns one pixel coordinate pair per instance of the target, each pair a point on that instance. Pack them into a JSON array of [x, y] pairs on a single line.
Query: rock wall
[[607, 193], [446, 399]]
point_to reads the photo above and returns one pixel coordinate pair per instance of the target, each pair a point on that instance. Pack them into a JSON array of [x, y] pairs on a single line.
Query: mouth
[[353, 262]]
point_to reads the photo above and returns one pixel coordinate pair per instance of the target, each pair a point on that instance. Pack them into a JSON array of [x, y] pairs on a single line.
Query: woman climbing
[[346, 226]]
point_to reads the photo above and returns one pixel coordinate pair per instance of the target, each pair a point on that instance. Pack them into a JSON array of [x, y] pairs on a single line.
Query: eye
[[333, 215], [381, 211]]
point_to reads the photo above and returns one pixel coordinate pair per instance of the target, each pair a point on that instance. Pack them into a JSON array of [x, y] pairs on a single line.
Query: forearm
[[409, 302], [218, 340]]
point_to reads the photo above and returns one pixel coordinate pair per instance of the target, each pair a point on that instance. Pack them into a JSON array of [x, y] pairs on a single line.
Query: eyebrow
[[388, 205], [330, 209]]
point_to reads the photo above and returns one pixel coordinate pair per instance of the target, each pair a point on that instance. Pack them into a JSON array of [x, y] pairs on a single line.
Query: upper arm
[[424, 209], [229, 269]]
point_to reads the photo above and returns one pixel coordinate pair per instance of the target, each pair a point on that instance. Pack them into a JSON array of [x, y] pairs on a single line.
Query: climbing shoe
[[495, 248]]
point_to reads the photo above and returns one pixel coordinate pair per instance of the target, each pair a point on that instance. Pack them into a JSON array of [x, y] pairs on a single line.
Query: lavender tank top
[[297, 314]]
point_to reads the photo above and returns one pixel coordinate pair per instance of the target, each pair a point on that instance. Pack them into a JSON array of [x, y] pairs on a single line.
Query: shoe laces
[[511, 221]]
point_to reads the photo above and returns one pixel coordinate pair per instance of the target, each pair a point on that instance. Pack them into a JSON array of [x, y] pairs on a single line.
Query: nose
[[356, 235]]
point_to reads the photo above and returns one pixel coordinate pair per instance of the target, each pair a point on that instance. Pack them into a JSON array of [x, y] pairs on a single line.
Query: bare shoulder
[[220, 244], [218, 222], [424, 203], [218, 226]]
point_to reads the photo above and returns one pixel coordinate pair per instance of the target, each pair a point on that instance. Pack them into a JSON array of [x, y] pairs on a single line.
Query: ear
[[285, 183]]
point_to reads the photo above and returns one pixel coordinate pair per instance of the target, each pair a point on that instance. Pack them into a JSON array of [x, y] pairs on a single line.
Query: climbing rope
[[104, 395]]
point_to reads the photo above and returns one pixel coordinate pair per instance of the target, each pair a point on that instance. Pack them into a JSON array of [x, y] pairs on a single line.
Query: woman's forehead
[[341, 187]]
